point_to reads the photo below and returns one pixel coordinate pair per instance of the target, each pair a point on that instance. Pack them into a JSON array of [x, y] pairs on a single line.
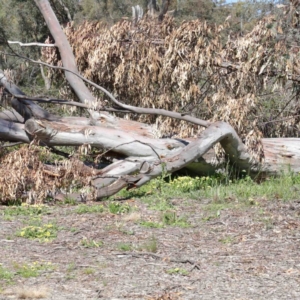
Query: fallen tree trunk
[[142, 156], [281, 154]]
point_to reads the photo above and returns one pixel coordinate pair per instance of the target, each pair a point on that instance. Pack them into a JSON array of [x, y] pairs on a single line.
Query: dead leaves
[[189, 67]]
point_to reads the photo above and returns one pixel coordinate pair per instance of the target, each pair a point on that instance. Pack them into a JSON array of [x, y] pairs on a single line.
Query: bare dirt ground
[[250, 252]]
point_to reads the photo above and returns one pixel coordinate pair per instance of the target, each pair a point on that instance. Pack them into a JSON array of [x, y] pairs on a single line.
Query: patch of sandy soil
[[237, 253]]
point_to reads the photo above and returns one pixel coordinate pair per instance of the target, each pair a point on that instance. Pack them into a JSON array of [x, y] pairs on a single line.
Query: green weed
[[227, 240], [88, 271], [151, 224], [70, 269], [87, 209], [44, 233], [160, 204], [220, 188], [170, 218], [26, 210], [149, 246], [32, 269], [5, 274], [124, 247], [70, 201], [179, 271], [88, 243], [117, 208]]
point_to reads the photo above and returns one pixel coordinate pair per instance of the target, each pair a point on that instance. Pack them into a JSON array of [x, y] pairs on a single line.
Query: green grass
[[118, 208], [151, 224], [70, 271], [113, 208], [6, 275], [88, 209], [88, 271], [124, 247], [149, 245], [71, 267], [170, 218], [26, 210], [227, 240], [247, 190], [219, 188], [70, 201], [24, 270], [27, 270]]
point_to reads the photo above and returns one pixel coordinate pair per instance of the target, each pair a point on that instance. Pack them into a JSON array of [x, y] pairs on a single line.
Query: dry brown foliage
[[25, 176], [247, 81], [28, 292]]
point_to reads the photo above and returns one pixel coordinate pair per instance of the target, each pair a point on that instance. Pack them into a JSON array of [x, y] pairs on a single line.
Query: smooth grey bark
[[10, 131], [11, 115], [118, 141], [65, 49]]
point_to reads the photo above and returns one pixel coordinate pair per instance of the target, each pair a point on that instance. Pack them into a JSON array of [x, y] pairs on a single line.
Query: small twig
[[195, 266], [156, 256], [11, 144], [31, 44], [286, 105], [280, 120], [52, 100]]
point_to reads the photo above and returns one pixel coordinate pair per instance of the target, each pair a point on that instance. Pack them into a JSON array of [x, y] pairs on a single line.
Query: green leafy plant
[[187, 184], [44, 233]]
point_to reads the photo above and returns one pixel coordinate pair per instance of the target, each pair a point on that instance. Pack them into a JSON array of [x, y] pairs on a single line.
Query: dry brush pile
[[25, 175], [249, 81]]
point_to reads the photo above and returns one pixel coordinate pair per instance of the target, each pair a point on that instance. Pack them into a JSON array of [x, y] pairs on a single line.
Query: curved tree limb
[[216, 132], [128, 144]]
